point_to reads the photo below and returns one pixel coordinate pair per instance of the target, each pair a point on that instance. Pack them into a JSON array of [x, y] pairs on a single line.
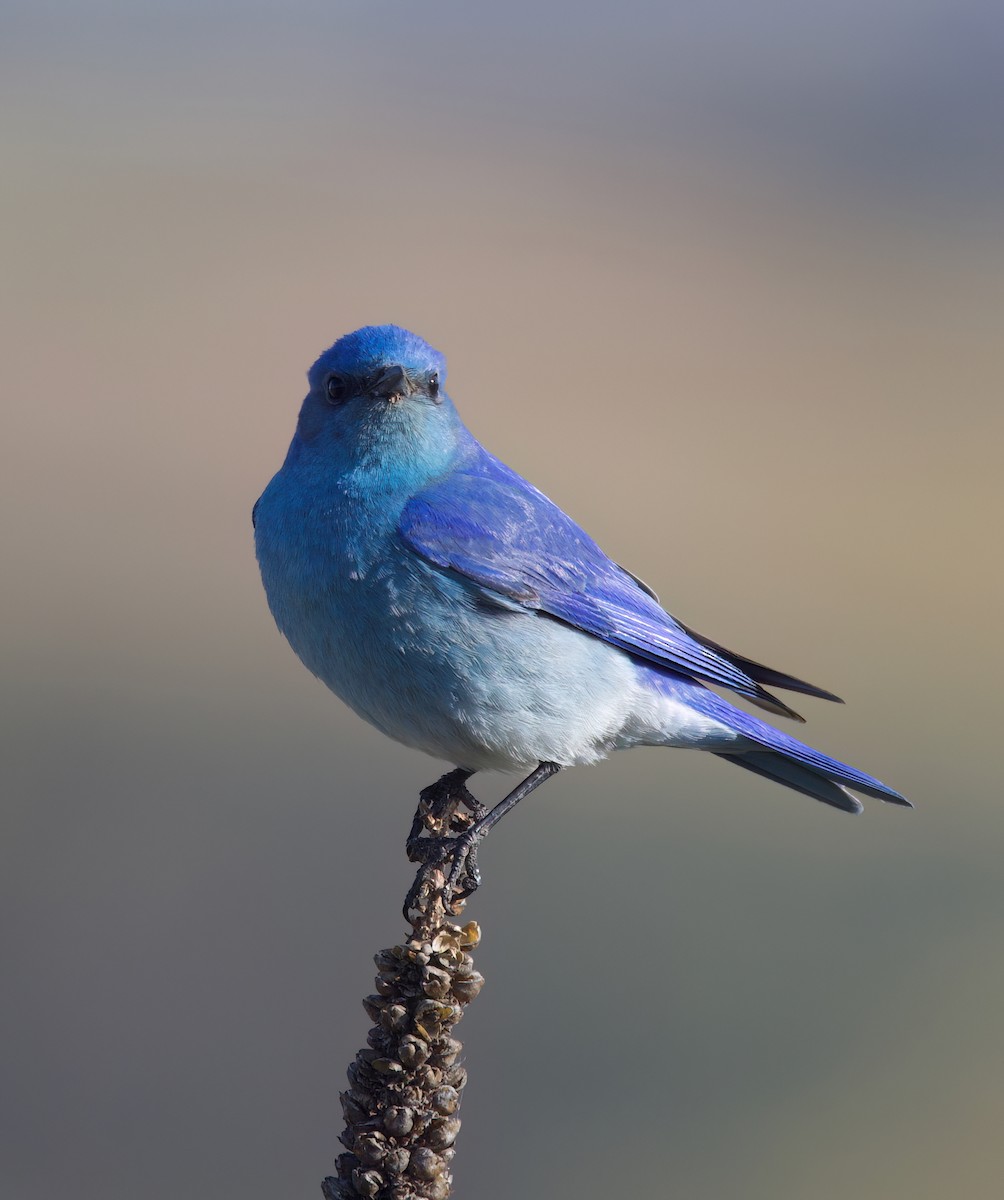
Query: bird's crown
[[374, 346]]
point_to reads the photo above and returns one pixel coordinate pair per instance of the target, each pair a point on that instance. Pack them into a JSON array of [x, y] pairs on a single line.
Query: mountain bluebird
[[458, 610]]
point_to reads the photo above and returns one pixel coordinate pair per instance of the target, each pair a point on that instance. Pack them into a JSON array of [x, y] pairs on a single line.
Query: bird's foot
[[446, 811], [449, 866], [438, 811]]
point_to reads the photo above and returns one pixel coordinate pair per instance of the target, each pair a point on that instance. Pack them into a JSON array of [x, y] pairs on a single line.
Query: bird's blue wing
[[486, 523]]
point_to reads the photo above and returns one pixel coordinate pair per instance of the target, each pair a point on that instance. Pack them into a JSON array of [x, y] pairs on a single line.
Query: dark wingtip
[[779, 679], [898, 800], [763, 699], [760, 673]]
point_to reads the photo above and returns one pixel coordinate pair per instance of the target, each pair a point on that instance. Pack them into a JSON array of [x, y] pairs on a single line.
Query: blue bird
[[461, 612]]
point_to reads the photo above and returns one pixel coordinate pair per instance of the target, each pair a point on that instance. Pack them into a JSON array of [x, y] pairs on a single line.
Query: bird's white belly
[[448, 673]]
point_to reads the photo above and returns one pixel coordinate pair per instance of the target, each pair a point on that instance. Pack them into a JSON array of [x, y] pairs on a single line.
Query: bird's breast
[[423, 655]]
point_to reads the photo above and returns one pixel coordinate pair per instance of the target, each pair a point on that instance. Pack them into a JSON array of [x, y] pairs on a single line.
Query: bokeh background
[[725, 280]]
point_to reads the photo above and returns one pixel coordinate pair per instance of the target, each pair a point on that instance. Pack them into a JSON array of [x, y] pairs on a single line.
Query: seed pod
[[394, 1017], [388, 961], [413, 1052], [374, 1006], [387, 1066], [456, 1076], [347, 1137], [428, 1078], [422, 1119], [439, 1189], [442, 1132], [385, 986], [396, 1160], [370, 1148], [431, 1014], [447, 941], [353, 1110], [445, 1051], [466, 989], [398, 1121], [360, 1076], [435, 983], [426, 1164], [411, 1096], [445, 1100], [336, 1189], [380, 1040], [367, 1183]]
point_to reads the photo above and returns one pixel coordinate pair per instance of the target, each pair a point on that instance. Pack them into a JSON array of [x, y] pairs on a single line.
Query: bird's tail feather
[[794, 775], [781, 757]]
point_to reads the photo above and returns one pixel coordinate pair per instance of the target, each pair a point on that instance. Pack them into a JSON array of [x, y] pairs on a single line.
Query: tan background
[[727, 285]]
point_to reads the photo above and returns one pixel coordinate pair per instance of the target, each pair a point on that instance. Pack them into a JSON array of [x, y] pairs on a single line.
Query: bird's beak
[[390, 383]]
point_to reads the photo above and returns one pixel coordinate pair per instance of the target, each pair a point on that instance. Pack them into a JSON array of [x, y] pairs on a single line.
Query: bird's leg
[[464, 876]]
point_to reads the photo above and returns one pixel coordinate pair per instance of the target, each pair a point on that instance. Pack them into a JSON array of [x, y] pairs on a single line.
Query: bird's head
[[376, 401]]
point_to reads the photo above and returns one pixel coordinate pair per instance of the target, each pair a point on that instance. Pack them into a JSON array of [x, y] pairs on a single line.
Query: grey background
[[726, 283]]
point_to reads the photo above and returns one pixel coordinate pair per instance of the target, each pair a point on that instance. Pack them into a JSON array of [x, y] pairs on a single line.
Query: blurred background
[[724, 280]]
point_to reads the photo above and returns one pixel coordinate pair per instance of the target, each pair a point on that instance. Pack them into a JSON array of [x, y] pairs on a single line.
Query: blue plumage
[[460, 611], [491, 526]]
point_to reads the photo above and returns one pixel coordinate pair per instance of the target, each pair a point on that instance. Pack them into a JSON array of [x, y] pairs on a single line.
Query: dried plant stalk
[[402, 1105]]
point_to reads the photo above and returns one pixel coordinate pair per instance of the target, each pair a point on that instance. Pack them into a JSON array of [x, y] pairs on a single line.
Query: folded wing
[[487, 524]]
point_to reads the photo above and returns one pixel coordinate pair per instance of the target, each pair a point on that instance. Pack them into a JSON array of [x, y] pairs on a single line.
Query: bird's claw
[[438, 804], [461, 853], [453, 859], [430, 843], [464, 878]]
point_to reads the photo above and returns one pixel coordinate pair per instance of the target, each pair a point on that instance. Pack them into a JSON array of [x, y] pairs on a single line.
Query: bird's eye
[[338, 388], [434, 384]]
